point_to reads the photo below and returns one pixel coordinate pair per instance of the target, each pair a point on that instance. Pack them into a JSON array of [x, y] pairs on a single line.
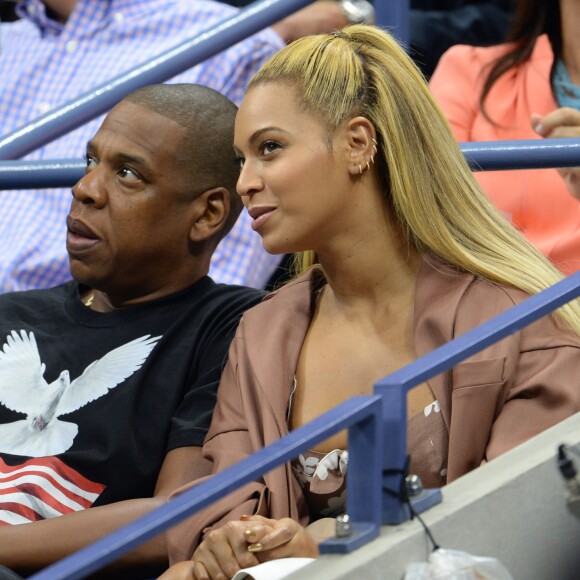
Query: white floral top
[[322, 476]]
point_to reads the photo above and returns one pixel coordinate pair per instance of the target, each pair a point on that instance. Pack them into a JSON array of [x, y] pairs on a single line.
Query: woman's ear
[[210, 212], [361, 145]]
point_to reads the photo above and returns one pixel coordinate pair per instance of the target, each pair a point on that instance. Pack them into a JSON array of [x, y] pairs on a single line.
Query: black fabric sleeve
[[191, 421]]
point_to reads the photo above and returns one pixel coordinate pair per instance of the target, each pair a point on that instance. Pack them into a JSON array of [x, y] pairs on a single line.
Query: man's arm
[[33, 546]]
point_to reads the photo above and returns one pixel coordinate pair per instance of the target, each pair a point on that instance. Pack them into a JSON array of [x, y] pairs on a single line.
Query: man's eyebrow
[[123, 157], [133, 159]]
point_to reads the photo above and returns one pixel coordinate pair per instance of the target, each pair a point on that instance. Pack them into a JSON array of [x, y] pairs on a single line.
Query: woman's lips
[[260, 215]]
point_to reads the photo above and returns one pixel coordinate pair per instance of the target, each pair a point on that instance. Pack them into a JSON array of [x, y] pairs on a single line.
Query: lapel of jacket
[[281, 327], [438, 293]]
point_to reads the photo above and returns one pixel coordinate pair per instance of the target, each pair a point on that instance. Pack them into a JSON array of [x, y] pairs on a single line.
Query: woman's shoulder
[[290, 300], [462, 57], [484, 300]]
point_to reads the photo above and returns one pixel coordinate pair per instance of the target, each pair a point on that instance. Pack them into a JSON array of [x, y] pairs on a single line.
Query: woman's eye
[[240, 161], [268, 147], [129, 174]]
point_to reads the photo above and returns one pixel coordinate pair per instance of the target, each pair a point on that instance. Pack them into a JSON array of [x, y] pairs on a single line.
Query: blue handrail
[[395, 387], [392, 400], [93, 103], [522, 154], [481, 156], [362, 415]]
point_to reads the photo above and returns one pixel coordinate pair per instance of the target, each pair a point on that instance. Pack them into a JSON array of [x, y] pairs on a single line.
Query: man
[[60, 49], [107, 383]]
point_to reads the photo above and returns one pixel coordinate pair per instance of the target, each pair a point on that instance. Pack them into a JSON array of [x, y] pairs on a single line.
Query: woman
[[524, 89], [345, 157]]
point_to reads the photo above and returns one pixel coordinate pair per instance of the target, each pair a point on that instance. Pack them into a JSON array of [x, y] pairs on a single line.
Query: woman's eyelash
[[268, 146]]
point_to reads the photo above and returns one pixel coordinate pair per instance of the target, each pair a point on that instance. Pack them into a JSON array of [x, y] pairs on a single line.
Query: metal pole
[[482, 156], [167, 65]]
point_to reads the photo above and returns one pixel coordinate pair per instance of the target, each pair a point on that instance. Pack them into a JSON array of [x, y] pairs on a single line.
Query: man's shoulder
[[227, 298], [38, 296], [218, 290]]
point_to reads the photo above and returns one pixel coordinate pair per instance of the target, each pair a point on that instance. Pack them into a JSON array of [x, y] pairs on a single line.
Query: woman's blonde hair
[[361, 70]]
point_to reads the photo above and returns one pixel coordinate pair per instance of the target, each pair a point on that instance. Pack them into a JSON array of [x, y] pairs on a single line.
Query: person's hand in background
[[561, 123]]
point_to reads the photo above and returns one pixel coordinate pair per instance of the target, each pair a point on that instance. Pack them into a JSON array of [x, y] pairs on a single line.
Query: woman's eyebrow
[[257, 134]]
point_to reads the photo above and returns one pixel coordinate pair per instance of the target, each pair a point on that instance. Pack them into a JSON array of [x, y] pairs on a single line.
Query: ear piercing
[[375, 148]]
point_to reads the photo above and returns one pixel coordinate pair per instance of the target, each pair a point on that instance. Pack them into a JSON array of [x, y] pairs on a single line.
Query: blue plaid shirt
[[44, 63]]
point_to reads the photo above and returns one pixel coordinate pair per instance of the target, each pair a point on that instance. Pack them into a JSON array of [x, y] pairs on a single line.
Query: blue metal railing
[[481, 156], [359, 414], [374, 467], [252, 19], [362, 415], [167, 65]]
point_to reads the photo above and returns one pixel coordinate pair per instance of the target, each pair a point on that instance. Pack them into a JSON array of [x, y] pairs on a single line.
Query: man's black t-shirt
[[90, 403]]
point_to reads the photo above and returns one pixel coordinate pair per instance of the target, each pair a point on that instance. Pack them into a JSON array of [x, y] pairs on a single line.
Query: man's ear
[[361, 144], [210, 212]]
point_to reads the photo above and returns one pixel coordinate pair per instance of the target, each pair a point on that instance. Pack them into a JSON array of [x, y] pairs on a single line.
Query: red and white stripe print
[[43, 488]]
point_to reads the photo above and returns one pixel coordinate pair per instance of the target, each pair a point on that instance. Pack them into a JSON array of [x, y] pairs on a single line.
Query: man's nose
[[90, 189]]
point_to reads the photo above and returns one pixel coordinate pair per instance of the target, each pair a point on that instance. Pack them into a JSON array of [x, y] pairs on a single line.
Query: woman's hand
[[285, 538], [242, 544], [563, 122]]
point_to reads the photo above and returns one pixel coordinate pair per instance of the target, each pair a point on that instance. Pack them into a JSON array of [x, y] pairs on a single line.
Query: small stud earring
[[368, 166], [360, 169]]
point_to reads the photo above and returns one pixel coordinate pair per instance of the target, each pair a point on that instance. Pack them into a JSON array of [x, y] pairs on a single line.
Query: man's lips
[[79, 236], [260, 215]]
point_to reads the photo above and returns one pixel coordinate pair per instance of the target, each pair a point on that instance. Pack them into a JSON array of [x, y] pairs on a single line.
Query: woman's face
[[293, 178]]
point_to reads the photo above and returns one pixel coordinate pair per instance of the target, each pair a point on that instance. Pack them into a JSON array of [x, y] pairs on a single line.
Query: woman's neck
[[570, 18], [381, 264]]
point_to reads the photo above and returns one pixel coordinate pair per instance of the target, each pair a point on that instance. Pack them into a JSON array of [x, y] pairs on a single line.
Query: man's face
[[128, 226]]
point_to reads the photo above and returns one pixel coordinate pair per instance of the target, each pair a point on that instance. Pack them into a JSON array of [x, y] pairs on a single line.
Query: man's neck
[[101, 301], [60, 9]]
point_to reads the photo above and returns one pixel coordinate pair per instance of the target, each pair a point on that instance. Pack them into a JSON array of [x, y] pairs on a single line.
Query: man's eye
[[268, 147], [91, 162], [128, 174]]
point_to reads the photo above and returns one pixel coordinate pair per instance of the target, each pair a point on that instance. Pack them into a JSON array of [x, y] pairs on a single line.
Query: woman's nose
[[249, 182]]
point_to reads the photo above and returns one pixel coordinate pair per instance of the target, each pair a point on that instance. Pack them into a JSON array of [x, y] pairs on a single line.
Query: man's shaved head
[[208, 119]]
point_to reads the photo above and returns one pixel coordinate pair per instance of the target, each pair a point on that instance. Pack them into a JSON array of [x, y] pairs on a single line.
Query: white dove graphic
[[23, 389]]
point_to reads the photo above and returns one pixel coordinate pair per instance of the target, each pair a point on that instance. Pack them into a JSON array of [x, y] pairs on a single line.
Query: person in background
[[108, 382], [527, 88], [60, 49], [434, 25], [346, 159]]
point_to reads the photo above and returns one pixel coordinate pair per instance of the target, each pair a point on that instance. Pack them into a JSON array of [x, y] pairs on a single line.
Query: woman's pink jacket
[[493, 401], [536, 201]]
